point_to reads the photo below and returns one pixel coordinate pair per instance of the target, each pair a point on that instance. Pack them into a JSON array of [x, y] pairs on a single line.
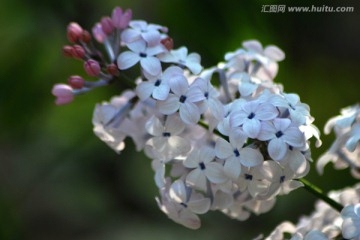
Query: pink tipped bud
[[68, 51], [63, 93], [76, 82], [168, 43], [121, 19], [86, 37], [92, 67], [78, 52], [112, 69], [98, 33], [74, 32], [107, 25]]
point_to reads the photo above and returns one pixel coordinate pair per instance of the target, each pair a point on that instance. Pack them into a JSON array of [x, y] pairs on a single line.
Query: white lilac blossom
[[351, 221], [281, 134], [204, 168], [182, 58], [183, 99], [157, 86], [139, 29], [166, 140], [345, 150], [325, 222], [235, 155], [142, 53], [250, 116], [230, 146]]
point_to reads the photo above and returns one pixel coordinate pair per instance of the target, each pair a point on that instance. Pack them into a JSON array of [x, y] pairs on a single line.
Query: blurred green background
[[58, 181]]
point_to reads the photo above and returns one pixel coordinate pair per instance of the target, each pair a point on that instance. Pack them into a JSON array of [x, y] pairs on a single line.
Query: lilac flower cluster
[[231, 146], [325, 222], [345, 150]]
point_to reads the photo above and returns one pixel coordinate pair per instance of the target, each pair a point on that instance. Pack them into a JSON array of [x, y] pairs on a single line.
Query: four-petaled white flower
[[180, 56], [204, 166], [281, 134], [166, 140], [211, 100], [250, 115], [142, 53], [280, 178], [188, 199], [183, 99], [157, 86], [140, 29], [236, 155]]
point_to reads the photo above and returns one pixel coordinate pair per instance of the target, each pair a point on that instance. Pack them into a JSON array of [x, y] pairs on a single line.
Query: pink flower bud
[[168, 43], [74, 32], [78, 52], [107, 25], [86, 37], [92, 67], [76, 82], [63, 94], [121, 19], [68, 51], [98, 33], [112, 69]]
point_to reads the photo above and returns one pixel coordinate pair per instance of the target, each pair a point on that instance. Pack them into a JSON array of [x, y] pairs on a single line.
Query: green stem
[[205, 125], [317, 192]]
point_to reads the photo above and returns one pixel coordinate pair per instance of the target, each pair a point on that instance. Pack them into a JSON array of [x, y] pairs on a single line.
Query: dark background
[[58, 181]]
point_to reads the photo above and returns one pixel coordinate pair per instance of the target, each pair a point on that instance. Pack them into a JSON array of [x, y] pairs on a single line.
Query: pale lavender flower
[[166, 140], [351, 225], [141, 30], [140, 52], [236, 155], [281, 134], [180, 56], [183, 99], [204, 168], [158, 86], [250, 115]]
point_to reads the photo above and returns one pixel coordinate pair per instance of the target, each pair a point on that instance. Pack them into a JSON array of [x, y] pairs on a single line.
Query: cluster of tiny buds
[[106, 32], [232, 147]]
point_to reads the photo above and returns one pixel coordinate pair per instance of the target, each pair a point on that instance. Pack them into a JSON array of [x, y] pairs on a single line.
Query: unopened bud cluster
[[231, 145]]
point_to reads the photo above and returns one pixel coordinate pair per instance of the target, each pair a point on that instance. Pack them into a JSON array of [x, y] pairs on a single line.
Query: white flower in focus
[[143, 54], [204, 168], [281, 134], [140, 29], [299, 112], [351, 224], [166, 140], [250, 115], [224, 125], [235, 155], [183, 99], [180, 56], [211, 100], [158, 86]]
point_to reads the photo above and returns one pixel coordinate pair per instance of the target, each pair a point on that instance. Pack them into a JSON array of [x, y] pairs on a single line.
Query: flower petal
[[151, 65], [232, 168], [127, 59], [277, 149]]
